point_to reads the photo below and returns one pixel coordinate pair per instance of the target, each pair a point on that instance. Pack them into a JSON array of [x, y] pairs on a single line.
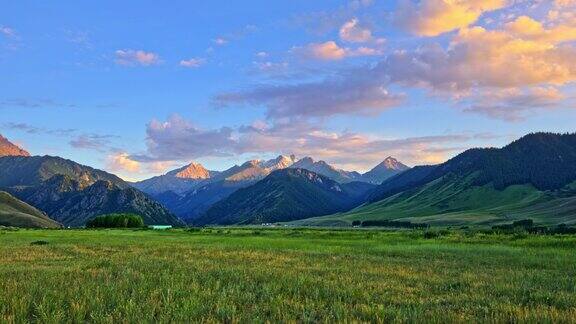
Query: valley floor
[[305, 275]]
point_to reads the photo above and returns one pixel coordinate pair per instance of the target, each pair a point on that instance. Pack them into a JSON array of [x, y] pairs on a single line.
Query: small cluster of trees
[[390, 223], [116, 221], [529, 226]]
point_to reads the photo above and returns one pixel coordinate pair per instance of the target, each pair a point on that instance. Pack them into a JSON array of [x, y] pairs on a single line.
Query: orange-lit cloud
[[565, 3], [331, 51], [435, 17], [327, 51], [525, 27], [121, 162]]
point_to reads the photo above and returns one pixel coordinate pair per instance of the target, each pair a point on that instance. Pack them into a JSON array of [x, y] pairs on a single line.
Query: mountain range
[[533, 177], [191, 190]]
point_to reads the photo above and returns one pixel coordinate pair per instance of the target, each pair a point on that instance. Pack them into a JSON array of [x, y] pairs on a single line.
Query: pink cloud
[[136, 57], [331, 51]]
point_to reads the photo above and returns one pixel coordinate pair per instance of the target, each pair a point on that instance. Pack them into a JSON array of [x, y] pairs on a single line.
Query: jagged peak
[[193, 171], [391, 163], [252, 163], [8, 148], [281, 162]]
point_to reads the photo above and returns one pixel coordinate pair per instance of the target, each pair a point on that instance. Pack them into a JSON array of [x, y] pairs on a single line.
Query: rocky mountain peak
[[281, 162], [252, 163], [193, 171], [391, 163], [8, 148]]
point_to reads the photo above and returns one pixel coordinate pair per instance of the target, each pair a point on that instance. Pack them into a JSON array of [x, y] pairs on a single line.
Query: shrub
[[116, 221], [356, 223], [564, 229], [521, 225], [395, 224], [431, 234], [39, 243]]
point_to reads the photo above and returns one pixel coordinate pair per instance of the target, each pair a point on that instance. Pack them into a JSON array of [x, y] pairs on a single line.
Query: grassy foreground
[[293, 274]]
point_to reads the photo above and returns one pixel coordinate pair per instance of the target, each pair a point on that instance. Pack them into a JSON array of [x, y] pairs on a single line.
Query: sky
[[140, 87]]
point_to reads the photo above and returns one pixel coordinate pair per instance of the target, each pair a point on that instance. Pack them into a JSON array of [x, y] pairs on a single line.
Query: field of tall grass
[[240, 275]]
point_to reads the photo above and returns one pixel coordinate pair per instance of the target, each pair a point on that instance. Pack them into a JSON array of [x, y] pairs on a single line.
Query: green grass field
[[246, 275], [448, 203]]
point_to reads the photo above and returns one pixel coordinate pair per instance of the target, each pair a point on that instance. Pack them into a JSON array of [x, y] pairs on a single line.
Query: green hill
[[284, 195], [534, 177], [16, 213]]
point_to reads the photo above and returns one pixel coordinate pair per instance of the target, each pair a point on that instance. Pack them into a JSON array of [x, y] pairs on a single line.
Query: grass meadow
[[305, 275]]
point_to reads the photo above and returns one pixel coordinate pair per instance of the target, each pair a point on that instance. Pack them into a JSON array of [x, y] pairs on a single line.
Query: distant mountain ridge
[[190, 196], [8, 148], [72, 193], [285, 195]]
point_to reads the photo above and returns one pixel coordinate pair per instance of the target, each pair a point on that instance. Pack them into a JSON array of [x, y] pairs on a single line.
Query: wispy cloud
[[34, 103], [96, 142], [27, 128], [77, 138], [7, 31], [194, 62], [131, 57]]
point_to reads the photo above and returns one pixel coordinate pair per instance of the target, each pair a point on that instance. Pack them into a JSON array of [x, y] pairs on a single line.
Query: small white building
[[160, 227]]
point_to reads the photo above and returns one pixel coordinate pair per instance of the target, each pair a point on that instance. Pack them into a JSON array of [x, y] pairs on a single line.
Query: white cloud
[[193, 62], [351, 31], [220, 41], [7, 31]]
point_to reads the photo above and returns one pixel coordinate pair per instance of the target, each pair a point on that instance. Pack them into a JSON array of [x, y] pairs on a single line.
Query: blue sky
[[137, 88]]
